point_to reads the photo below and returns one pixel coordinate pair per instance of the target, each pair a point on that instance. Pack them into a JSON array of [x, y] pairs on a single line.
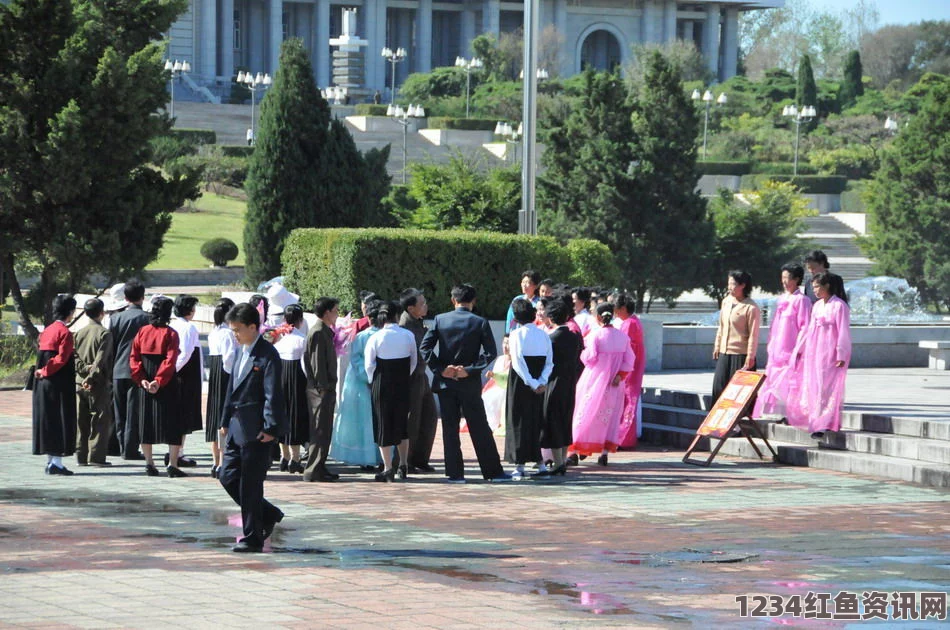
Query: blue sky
[[895, 11]]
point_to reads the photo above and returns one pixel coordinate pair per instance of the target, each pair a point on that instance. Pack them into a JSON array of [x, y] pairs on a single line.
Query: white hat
[[114, 298], [279, 298]]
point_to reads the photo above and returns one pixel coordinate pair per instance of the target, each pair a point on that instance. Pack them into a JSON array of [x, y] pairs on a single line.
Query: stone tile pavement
[[647, 542]]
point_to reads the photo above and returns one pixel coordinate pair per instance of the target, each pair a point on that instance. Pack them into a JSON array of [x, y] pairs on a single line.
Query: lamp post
[[540, 73], [707, 98], [394, 57], [511, 135], [254, 82], [799, 117], [334, 93], [177, 69], [468, 65], [404, 118]]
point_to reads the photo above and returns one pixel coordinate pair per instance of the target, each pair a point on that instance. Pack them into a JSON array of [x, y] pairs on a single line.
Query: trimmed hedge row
[[808, 184], [195, 136], [783, 168], [462, 124], [724, 168], [341, 262], [370, 109], [236, 150]]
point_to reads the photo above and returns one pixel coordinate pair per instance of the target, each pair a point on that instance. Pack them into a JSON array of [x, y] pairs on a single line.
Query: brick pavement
[[646, 542]]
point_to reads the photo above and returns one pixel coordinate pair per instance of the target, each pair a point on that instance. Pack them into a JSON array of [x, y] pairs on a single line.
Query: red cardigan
[[161, 340], [55, 338]]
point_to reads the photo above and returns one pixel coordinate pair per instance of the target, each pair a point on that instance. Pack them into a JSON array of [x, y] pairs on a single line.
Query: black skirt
[[524, 413], [160, 417], [726, 366], [556, 429], [391, 401], [189, 390], [218, 383], [293, 382], [54, 408]]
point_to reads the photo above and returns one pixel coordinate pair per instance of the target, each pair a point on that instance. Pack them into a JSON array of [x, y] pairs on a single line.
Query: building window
[[284, 25], [237, 29]]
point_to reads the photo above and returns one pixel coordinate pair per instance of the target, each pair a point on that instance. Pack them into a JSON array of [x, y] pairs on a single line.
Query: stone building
[[220, 36]]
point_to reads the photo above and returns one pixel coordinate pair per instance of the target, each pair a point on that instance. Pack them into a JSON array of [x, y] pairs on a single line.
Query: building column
[[468, 31], [491, 18], [376, 35], [730, 44], [669, 21], [275, 33], [257, 52], [208, 54], [226, 68], [321, 43], [650, 23], [423, 62], [560, 23], [711, 38]]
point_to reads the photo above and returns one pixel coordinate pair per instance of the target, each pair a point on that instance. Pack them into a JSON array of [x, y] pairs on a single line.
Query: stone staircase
[[907, 449], [837, 240]]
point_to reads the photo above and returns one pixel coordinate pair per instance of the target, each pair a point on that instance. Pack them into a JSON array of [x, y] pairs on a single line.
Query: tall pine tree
[[852, 86], [806, 91], [286, 174]]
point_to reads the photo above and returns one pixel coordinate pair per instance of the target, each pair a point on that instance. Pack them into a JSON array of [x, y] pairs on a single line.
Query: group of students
[[809, 347]]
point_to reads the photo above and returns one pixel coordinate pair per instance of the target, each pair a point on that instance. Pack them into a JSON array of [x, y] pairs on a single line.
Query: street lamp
[[334, 93], [890, 125], [468, 65], [707, 98], [799, 117], [177, 69], [254, 82], [403, 117], [511, 136], [540, 73], [394, 57]]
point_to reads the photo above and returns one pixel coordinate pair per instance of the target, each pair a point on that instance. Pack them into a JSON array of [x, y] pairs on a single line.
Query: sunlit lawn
[[216, 216]]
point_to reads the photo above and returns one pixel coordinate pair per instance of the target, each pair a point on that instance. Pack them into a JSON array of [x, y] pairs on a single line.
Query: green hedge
[[236, 150], [783, 168], [16, 351], [341, 262], [462, 124], [370, 109], [808, 184], [195, 136], [724, 168]]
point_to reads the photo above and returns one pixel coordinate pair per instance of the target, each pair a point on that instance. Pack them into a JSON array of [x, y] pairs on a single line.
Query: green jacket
[[94, 354]]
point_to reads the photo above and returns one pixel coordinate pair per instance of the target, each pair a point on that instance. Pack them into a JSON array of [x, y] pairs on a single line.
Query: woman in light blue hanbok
[[353, 441]]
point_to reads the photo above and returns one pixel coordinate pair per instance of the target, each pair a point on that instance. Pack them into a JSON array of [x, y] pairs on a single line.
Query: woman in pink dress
[[633, 383], [822, 355], [607, 359], [792, 312]]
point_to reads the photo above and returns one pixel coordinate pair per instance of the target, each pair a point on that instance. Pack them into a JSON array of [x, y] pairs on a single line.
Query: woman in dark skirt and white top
[[566, 347], [222, 349], [291, 344], [390, 359], [154, 352], [531, 366], [54, 390], [189, 370]]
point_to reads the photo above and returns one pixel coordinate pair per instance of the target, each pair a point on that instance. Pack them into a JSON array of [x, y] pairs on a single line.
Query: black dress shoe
[[52, 469], [151, 471], [284, 465], [369, 469], [100, 464], [386, 475], [426, 468], [817, 435], [81, 462], [572, 460], [602, 460], [175, 472], [402, 472], [186, 462], [269, 528], [244, 547], [214, 472], [295, 467], [327, 475]]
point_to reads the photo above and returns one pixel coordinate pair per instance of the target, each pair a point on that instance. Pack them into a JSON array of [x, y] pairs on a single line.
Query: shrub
[[219, 251], [807, 184], [195, 136], [236, 150], [16, 351], [168, 148], [853, 162], [783, 168], [724, 168], [341, 262], [422, 87], [370, 109], [218, 170], [462, 124]]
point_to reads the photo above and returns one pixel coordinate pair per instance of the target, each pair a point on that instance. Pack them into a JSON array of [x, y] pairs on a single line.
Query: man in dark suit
[[423, 417], [465, 348], [123, 326], [321, 370], [252, 417]]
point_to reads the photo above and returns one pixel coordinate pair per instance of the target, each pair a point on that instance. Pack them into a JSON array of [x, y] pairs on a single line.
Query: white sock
[[49, 460], [519, 469], [56, 460], [542, 467]]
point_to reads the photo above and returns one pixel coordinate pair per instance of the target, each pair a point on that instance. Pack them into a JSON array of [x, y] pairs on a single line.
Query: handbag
[[30, 378]]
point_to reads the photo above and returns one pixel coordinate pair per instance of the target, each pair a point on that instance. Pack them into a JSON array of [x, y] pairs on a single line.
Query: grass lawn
[[214, 216]]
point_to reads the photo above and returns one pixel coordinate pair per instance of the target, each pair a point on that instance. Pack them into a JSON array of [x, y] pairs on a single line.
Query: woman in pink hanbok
[[633, 383], [607, 359], [792, 312], [822, 355]]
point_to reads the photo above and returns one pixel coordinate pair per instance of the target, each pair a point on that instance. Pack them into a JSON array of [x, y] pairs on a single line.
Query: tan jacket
[[739, 324]]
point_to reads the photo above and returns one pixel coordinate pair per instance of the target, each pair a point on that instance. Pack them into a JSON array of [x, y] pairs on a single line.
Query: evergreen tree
[[288, 171], [851, 83], [909, 202], [806, 92], [81, 85], [376, 188]]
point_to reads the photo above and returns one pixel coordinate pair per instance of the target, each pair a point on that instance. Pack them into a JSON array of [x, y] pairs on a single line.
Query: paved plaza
[[647, 542]]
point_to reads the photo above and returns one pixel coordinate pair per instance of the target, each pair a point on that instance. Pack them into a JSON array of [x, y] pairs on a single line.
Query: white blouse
[[391, 342], [530, 341], [291, 347], [187, 342], [221, 342], [583, 320]]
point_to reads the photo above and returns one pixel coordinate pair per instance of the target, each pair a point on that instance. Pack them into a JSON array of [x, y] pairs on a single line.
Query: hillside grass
[[212, 216]]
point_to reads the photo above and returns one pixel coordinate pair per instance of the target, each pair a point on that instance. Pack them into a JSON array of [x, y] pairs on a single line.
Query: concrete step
[[921, 449], [825, 224], [911, 427]]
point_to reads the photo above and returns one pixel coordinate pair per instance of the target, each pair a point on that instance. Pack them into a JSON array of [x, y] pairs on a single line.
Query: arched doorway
[[600, 51]]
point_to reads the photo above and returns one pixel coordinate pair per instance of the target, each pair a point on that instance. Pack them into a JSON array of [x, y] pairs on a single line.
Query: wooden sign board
[[733, 409]]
